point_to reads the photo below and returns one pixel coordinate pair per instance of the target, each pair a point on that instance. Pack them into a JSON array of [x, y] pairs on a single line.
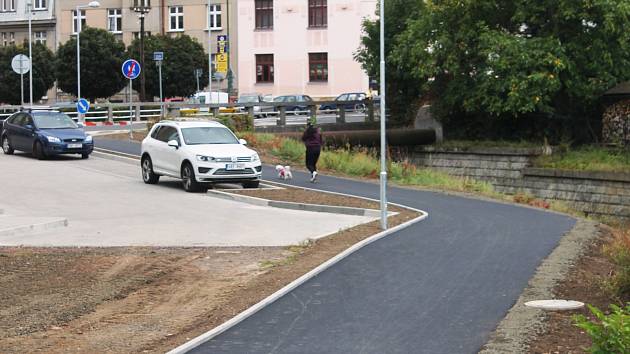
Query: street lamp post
[[383, 176], [142, 7], [209, 54], [93, 4], [29, 6]]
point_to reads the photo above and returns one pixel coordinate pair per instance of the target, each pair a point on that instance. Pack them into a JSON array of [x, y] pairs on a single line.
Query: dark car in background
[[341, 100], [296, 103], [253, 98], [44, 133]]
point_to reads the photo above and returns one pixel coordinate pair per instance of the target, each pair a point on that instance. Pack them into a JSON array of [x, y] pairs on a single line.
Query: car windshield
[[53, 120], [208, 135], [247, 99]]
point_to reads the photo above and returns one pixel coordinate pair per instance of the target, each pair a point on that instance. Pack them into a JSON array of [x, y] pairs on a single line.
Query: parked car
[[44, 133], [345, 97], [198, 153], [211, 97], [298, 100], [259, 111]]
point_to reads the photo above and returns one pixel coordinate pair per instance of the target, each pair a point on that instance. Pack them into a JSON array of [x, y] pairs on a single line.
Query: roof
[[622, 88], [193, 123]]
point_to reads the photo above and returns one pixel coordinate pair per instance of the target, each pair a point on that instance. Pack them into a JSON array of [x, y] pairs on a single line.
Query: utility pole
[[29, 5], [142, 7], [229, 51], [383, 176]]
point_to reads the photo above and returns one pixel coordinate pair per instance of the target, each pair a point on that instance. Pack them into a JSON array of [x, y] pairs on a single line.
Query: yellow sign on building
[[222, 63]]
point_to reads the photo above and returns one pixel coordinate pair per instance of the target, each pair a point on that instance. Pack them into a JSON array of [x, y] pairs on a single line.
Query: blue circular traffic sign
[[83, 106], [131, 69]]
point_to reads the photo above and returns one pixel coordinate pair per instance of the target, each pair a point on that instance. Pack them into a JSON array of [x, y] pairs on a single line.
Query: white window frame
[[40, 37], [39, 5], [176, 12], [213, 15], [74, 20], [114, 14]]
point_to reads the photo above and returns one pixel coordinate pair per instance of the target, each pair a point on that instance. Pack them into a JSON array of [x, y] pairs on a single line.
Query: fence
[[270, 113]]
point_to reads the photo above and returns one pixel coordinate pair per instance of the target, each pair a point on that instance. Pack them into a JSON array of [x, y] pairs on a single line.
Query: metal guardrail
[[141, 111]]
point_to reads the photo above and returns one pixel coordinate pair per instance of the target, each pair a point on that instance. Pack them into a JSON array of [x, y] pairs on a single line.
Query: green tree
[[43, 73], [101, 60], [182, 55], [502, 63]]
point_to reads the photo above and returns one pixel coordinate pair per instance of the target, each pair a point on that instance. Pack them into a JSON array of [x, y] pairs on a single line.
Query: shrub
[[619, 253], [609, 333], [237, 122]]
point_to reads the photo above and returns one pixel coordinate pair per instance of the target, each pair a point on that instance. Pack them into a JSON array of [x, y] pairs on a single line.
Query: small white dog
[[284, 172]]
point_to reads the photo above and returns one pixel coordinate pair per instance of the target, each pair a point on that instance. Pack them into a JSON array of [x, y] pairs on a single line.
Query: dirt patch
[[583, 283], [134, 300], [300, 195]]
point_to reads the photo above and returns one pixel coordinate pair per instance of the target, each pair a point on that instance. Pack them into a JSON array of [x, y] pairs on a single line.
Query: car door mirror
[[29, 127], [80, 125], [242, 141], [173, 143]]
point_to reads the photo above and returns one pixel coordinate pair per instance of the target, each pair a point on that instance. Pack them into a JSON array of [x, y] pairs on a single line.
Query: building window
[[40, 5], [4, 39], [264, 67], [11, 38], [318, 66], [74, 20], [7, 6], [176, 15], [114, 20], [214, 17], [142, 3], [317, 13], [264, 14], [136, 35], [40, 37]]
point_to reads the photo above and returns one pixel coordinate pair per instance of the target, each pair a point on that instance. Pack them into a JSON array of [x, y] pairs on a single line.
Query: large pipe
[[372, 138]]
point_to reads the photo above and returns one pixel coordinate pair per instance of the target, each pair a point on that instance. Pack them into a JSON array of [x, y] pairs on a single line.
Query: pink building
[[301, 46]]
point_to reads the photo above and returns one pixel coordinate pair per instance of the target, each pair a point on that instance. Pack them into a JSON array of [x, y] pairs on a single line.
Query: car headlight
[[88, 138], [255, 158], [205, 158], [53, 139]]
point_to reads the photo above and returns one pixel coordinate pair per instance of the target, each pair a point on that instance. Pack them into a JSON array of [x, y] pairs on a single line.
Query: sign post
[[198, 73], [158, 57], [83, 106], [131, 70], [21, 64], [222, 54]]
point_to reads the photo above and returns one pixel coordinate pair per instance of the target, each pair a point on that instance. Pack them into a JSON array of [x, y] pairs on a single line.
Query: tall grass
[[618, 251], [363, 163], [589, 158]]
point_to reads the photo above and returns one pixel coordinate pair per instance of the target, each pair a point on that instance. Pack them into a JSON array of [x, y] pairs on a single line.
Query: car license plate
[[235, 166], [75, 146]]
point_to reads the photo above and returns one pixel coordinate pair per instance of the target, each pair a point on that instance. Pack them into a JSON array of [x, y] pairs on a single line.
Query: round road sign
[[131, 69], [83, 106], [21, 64]]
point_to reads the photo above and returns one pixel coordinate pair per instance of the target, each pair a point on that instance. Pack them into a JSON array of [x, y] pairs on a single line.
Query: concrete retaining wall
[[597, 194]]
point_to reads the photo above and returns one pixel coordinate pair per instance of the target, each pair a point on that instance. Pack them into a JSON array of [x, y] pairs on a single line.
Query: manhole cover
[[555, 305]]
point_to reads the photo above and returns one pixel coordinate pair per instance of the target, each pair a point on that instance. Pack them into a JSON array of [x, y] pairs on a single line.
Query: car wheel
[[6, 146], [190, 182], [38, 151], [251, 184], [359, 108], [148, 176], [85, 156]]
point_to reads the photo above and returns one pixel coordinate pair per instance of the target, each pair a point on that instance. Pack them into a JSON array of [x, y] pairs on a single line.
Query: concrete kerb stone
[[116, 156], [291, 286], [520, 325], [33, 227]]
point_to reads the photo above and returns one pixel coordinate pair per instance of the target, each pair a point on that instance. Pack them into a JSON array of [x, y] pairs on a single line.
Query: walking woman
[[313, 141]]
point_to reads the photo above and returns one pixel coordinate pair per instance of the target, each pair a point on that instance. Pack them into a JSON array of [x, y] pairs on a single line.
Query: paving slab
[[107, 204]]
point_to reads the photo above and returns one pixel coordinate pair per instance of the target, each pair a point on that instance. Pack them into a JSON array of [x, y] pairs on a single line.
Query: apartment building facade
[[301, 46], [14, 22], [195, 18]]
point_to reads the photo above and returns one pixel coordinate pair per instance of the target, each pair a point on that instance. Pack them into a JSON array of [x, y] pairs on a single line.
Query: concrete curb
[[116, 156], [521, 323], [33, 228], [297, 206], [288, 288]]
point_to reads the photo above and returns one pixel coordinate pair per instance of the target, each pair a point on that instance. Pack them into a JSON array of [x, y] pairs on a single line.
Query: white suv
[[198, 153]]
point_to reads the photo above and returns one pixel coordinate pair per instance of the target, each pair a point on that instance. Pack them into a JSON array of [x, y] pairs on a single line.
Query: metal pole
[[21, 85], [161, 97], [197, 77], [143, 93], [209, 55], [131, 110], [79, 61], [30, 51], [383, 142]]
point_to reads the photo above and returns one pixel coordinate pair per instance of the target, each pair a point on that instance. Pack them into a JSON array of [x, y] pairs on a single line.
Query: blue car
[[44, 133], [347, 97]]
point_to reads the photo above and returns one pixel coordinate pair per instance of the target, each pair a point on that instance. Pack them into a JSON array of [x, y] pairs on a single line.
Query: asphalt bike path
[[439, 286]]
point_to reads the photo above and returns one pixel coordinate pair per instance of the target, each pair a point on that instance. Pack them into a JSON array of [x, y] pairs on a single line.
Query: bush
[[619, 253], [237, 122], [609, 333]]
